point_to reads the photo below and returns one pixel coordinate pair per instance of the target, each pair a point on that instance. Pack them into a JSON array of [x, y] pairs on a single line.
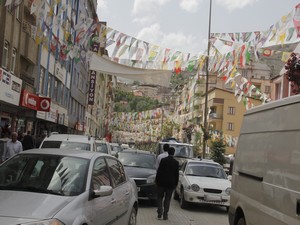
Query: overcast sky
[[183, 24]]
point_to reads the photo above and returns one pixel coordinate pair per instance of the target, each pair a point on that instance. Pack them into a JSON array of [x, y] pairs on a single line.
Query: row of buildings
[[42, 89]]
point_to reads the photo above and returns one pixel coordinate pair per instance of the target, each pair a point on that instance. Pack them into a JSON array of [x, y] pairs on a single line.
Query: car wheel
[[176, 196], [183, 203], [241, 221], [132, 218]]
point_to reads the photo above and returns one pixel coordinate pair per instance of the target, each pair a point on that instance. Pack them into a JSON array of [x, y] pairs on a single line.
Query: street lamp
[[206, 85]]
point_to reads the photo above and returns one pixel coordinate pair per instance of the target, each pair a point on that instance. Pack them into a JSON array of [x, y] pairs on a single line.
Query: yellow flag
[[285, 56]]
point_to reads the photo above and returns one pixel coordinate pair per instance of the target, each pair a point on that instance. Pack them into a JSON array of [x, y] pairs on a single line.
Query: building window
[[245, 73], [17, 13], [230, 126], [5, 55], [267, 89], [231, 110], [13, 60], [55, 90], [42, 81]]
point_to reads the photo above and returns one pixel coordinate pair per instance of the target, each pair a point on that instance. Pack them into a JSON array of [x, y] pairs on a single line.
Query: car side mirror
[[229, 177], [103, 191], [180, 173]]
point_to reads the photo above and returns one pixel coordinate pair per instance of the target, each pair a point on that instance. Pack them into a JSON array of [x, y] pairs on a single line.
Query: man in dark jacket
[[28, 142], [166, 179]]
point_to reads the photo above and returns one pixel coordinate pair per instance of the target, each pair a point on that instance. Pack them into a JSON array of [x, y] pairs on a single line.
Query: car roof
[[101, 141], [114, 144], [203, 161], [137, 151], [68, 137], [64, 152], [175, 143]]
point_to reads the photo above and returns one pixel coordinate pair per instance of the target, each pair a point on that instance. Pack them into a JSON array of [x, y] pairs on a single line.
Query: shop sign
[[49, 116], [10, 87], [60, 72], [91, 95], [35, 102]]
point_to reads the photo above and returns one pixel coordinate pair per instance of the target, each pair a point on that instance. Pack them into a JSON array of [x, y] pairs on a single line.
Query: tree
[[217, 151], [169, 127]]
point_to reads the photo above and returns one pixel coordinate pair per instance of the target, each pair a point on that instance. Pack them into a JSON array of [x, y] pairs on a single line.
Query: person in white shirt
[[13, 147], [162, 155]]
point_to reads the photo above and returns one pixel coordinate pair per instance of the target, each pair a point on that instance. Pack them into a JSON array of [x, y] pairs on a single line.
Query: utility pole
[[206, 85]]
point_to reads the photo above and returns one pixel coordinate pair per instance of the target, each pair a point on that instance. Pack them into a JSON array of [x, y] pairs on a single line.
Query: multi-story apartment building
[[225, 116], [34, 68]]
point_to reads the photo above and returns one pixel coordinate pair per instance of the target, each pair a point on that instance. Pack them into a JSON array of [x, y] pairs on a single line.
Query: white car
[[103, 146], [69, 141], [66, 187], [203, 182]]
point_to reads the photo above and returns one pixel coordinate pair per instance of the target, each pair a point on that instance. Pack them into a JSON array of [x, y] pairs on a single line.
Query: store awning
[[146, 76]]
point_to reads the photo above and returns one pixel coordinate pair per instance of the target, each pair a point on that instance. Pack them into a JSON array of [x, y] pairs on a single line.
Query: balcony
[[214, 116]]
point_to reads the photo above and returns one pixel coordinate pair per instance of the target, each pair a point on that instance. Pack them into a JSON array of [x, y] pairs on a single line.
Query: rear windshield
[[66, 145], [134, 159], [181, 151], [102, 147]]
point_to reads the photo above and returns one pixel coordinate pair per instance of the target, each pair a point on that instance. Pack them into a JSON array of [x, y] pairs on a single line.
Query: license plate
[[212, 198]]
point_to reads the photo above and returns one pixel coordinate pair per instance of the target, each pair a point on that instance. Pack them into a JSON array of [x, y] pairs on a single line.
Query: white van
[[69, 141], [266, 171]]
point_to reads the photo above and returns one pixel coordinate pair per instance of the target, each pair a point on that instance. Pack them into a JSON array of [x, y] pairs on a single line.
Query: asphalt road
[[195, 215]]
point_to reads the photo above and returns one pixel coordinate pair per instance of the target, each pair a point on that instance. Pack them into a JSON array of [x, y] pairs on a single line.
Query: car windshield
[[102, 147], [117, 148], [60, 175], [196, 169], [134, 159], [66, 145], [181, 151]]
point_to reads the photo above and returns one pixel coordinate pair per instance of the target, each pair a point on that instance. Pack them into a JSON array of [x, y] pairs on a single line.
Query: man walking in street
[[13, 147], [162, 155], [166, 179]]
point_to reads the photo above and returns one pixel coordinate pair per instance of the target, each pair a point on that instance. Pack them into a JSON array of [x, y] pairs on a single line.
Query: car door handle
[[113, 201], [127, 193]]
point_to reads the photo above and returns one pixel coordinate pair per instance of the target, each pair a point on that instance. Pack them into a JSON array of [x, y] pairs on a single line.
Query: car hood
[[208, 182], [29, 206], [137, 172]]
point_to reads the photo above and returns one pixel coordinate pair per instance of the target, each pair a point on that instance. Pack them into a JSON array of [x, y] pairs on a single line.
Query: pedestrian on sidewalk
[[13, 147], [28, 142], [166, 179]]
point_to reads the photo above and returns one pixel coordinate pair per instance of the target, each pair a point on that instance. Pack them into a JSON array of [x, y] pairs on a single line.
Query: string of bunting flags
[[229, 50]]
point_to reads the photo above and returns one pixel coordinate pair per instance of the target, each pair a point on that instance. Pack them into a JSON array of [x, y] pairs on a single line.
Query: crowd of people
[[16, 142]]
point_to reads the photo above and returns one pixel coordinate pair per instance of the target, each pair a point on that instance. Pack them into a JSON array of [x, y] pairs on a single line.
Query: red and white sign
[[35, 102]]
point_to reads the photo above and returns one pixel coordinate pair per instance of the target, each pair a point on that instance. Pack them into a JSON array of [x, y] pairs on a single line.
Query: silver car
[[66, 187]]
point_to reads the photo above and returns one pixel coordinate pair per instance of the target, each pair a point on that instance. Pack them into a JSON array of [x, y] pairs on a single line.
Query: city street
[[195, 215]]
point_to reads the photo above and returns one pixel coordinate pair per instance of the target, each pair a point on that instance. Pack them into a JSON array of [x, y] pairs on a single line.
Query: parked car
[[66, 187], [182, 150], [115, 148], [202, 182], [140, 166], [69, 141], [103, 146]]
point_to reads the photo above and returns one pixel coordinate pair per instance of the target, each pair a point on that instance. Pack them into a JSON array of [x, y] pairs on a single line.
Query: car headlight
[[151, 179], [44, 222], [195, 187], [227, 191]]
